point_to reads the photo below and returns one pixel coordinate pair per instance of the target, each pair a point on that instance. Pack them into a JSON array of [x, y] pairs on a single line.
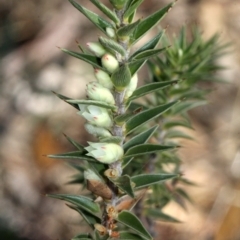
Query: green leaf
[[147, 115], [94, 61], [124, 183], [82, 202], [185, 106], [140, 138], [144, 149], [64, 98], [149, 22], [83, 236], [92, 102], [106, 11], [132, 9], [74, 143], [113, 139], [177, 134], [72, 155], [181, 123], [124, 235], [158, 214], [88, 217], [147, 54], [135, 66], [145, 180], [98, 168], [127, 30], [112, 46], [131, 221], [98, 21], [149, 88]]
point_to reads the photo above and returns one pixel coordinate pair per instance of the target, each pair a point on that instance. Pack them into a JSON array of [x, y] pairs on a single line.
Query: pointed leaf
[[135, 66], [147, 115], [74, 143], [131, 221], [155, 213], [72, 155], [124, 235], [132, 8], [140, 138], [144, 149], [98, 21], [151, 87], [82, 202], [185, 106], [64, 98], [128, 29], [106, 11], [112, 46], [124, 183], [147, 54], [145, 180], [181, 123], [94, 61], [92, 102], [88, 217], [150, 22], [177, 134]]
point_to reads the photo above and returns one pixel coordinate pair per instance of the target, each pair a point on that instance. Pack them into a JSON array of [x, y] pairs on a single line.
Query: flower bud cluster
[[113, 76]]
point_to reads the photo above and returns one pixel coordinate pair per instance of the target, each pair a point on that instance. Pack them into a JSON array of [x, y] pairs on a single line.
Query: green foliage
[[135, 141]]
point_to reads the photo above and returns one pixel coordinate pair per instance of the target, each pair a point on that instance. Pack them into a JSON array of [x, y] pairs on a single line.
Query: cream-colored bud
[[96, 48], [95, 91], [105, 152], [103, 78], [110, 32], [97, 131], [96, 115], [131, 87], [110, 62]]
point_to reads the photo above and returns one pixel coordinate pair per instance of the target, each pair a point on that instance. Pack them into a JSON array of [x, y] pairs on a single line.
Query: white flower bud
[[110, 32], [110, 62], [103, 78], [131, 87], [97, 131], [96, 48], [105, 152], [96, 115], [96, 91]]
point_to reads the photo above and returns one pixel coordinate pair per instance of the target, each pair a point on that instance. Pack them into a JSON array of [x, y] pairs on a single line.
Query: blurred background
[[32, 120]]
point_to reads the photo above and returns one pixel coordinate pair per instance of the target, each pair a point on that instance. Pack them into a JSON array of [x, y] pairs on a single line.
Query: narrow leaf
[[94, 61], [131, 221], [129, 236], [124, 183], [135, 66], [88, 217], [64, 98], [106, 11], [132, 8], [140, 138], [74, 143], [147, 115], [145, 180], [92, 102], [112, 46], [128, 29], [72, 155], [177, 134], [82, 202], [144, 149], [149, 22], [185, 106], [147, 54], [151, 87], [155, 213], [101, 23]]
